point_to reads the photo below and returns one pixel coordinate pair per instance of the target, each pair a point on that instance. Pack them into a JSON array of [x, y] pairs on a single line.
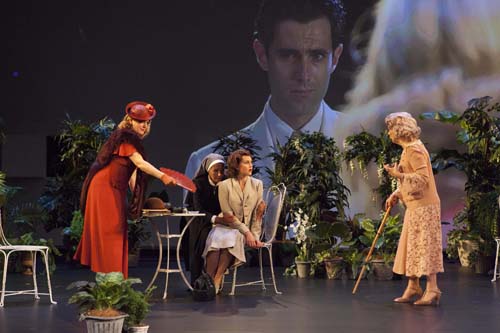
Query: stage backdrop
[[191, 59]]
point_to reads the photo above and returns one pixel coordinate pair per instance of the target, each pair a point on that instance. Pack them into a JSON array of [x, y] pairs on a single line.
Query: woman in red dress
[[119, 164]]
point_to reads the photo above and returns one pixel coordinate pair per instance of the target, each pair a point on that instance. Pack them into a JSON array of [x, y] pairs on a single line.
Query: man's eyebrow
[[295, 50], [318, 50], [287, 49]]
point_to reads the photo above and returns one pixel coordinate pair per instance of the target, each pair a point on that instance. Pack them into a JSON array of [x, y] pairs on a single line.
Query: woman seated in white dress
[[242, 206]]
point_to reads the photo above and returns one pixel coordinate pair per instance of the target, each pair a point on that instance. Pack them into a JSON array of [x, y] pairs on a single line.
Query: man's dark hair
[[272, 12]]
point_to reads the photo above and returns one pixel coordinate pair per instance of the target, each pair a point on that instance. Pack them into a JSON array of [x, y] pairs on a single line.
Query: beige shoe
[[409, 294], [430, 297]]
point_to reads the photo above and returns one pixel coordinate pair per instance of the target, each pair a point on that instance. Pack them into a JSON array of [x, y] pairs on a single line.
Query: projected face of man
[[299, 62]]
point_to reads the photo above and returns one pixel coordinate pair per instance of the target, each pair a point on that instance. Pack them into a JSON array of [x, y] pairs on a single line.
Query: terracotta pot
[[27, 262], [303, 268], [334, 268]]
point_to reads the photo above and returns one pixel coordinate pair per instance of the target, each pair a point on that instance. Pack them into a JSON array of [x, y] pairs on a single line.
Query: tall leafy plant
[[79, 144], [479, 132], [309, 165], [364, 148]]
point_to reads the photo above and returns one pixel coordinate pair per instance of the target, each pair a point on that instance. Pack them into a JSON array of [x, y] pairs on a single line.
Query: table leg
[[181, 271], [168, 263], [160, 255]]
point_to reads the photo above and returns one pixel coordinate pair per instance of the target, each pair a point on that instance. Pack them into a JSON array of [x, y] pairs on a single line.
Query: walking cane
[[369, 255]]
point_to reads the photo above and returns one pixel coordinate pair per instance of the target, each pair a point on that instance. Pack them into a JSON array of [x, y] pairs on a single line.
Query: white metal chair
[[496, 272], [6, 249], [275, 197]]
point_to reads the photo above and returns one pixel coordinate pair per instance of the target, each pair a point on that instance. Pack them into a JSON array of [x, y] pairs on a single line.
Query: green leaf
[[442, 116]]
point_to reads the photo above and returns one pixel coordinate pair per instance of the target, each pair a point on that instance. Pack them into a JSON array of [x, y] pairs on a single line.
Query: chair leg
[[35, 285], [45, 255], [261, 270], [221, 287], [233, 287], [495, 271], [269, 249], [4, 276]]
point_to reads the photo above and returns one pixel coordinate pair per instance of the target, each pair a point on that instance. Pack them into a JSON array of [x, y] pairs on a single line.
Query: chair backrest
[[275, 198], [3, 239]]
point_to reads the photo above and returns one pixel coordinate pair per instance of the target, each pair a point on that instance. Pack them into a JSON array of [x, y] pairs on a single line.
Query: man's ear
[[260, 54], [336, 56]]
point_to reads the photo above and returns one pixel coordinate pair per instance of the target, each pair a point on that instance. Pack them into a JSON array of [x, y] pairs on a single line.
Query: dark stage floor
[[470, 303]]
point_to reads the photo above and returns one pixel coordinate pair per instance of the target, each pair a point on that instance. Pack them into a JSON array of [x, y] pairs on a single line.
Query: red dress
[[104, 243]]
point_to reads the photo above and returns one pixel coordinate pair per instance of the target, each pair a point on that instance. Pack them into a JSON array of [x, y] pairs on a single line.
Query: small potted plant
[[101, 302], [385, 247], [26, 228], [303, 258], [339, 235], [137, 307], [353, 259]]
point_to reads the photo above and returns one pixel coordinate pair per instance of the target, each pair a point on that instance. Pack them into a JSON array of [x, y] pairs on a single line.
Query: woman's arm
[[198, 203], [148, 168], [419, 179], [227, 211], [416, 180], [256, 223]]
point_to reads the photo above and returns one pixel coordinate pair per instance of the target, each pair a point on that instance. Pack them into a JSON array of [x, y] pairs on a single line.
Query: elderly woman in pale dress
[[419, 250], [242, 206]]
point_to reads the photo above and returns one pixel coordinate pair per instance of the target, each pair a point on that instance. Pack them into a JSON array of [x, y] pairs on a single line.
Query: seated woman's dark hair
[[234, 160]]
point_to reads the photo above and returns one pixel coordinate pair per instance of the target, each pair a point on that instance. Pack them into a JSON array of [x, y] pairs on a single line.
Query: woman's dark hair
[[234, 160], [272, 12]]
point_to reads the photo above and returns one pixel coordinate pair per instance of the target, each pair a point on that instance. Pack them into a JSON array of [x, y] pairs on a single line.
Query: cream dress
[[243, 205], [420, 249]]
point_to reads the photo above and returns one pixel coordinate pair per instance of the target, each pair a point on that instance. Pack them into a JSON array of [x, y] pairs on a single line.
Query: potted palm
[[101, 302], [78, 144]]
